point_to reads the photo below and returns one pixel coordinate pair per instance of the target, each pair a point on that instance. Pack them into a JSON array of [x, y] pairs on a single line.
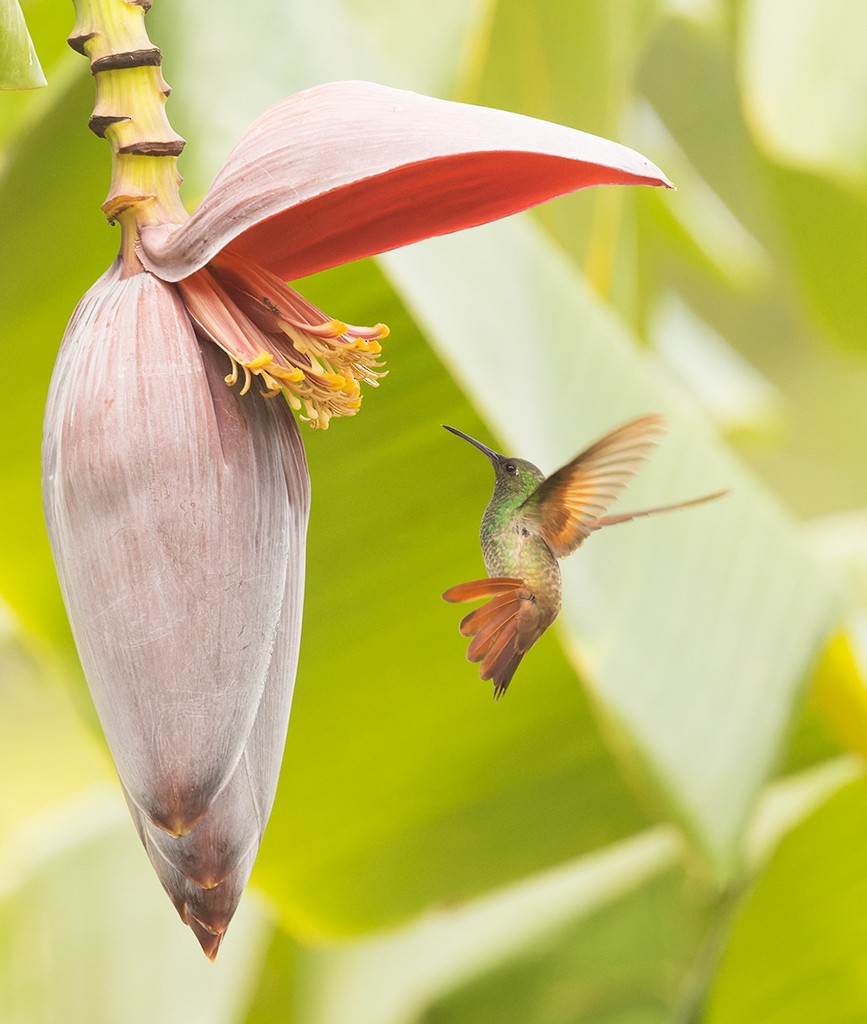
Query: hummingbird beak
[[492, 455]]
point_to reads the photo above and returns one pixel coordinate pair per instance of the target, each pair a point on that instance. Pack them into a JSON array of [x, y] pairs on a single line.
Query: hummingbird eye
[[511, 469]]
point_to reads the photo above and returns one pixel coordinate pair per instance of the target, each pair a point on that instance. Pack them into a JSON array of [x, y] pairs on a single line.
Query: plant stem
[[130, 113], [692, 1006]]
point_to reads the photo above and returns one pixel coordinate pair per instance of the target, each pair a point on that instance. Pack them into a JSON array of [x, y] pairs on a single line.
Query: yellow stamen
[[263, 359], [232, 378], [316, 366], [331, 329], [319, 363], [368, 346], [292, 376]]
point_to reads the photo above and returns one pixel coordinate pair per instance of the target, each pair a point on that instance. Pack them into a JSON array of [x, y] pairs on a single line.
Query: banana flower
[[175, 485]]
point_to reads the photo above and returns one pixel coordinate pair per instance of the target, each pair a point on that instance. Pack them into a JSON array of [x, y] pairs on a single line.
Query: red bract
[[352, 169]]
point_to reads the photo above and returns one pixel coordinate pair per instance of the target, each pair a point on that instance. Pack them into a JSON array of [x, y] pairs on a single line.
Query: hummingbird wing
[[503, 629], [568, 506]]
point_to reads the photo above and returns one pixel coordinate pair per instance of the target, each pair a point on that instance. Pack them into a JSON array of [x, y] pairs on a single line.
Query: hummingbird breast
[[512, 548]]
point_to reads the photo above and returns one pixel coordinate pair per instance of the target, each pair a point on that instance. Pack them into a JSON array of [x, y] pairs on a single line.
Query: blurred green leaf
[[570, 62], [688, 74], [403, 783], [575, 63], [826, 257], [87, 936], [798, 951], [44, 746], [623, 935], [23, 109], [224, 76], [405, 788], [724, 384], [811, 232], [552, 369], [275, 998], [803, 75], [815, 738], [624, 963], [548, 938], [19, 65], [58, 244]]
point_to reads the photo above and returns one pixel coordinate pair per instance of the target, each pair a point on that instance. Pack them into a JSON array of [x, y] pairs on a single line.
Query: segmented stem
[[130, 113]]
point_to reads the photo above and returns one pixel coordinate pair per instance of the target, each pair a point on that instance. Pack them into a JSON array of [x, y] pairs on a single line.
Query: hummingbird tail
[[625, 517], [498, 628], [475, 590]]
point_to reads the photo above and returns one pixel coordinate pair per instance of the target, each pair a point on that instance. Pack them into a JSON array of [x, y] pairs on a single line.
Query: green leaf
[[19, 65], [58, 240], [573, 62], [44, 746], [595, 935], [830, 286], [87, 936], [536, 61], [836, 693], [803, 76], [677, 622], [798, 951], [688, 74], [403, 783], [275, 996], [24, 108], [623, 963], [808, 217], [331, 40]]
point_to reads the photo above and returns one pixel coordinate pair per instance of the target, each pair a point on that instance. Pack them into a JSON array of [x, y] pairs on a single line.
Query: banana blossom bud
[[176, 490]]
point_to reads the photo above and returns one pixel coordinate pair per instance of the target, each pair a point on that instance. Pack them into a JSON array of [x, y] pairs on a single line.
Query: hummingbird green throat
[[532, 521]]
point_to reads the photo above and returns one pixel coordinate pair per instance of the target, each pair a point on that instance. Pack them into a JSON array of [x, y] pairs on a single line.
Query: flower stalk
[[130, 114]]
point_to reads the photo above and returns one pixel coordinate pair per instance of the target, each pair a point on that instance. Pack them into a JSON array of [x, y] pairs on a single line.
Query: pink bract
[[352, 169]]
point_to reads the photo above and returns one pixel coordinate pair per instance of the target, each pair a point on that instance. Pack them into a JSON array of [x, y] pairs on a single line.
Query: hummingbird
[[532, 521]]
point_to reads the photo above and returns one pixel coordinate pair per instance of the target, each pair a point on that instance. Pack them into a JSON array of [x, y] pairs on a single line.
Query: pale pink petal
[[351, 169]]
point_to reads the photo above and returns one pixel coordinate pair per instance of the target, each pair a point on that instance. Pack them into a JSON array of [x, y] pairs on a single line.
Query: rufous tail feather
[[475, 590], [498, 628], [493, 614]]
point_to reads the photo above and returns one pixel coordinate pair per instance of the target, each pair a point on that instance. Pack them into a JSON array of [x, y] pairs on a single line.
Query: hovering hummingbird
[[532, 521]]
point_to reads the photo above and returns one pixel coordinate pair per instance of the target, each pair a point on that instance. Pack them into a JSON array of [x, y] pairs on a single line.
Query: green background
[[665, 820]]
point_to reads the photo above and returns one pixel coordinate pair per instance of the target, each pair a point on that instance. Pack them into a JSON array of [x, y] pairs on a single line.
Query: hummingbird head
[[516, 479]]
